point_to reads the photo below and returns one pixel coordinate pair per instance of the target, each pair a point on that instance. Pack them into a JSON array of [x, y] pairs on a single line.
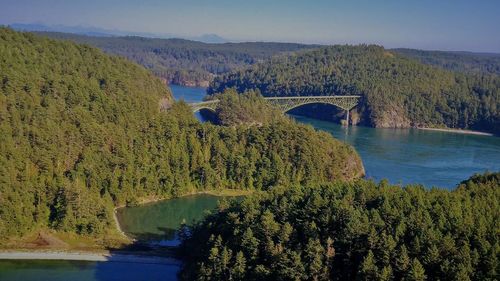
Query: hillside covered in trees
[[184, 62], [82, 132], [397, 91], [351, 231], [456, 61]]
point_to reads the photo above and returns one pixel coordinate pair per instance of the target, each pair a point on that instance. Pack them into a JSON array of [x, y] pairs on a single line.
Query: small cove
[[157, 223]]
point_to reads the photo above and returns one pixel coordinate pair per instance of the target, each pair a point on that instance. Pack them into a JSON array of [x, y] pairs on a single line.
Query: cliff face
[[392, 117]]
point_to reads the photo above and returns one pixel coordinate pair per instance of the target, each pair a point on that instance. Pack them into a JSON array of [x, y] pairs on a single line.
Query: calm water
[[158, 222], [40, 270], [411, 156], [188, 94], [406, 156], [155, 222]]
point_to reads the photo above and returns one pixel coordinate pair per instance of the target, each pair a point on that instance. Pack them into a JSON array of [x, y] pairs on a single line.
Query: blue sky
[[438, 24]]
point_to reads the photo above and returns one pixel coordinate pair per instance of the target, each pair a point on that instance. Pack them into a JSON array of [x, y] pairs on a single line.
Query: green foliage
[[456, 61], [69, 117], [397, 91], [182, 61], [248, 108], [82, 132], [360, 230]]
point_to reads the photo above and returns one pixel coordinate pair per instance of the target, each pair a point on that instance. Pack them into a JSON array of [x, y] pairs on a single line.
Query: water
[[406, 156], [188, 94], [412, 156], [49, 270], [158, 222], [155, 223]]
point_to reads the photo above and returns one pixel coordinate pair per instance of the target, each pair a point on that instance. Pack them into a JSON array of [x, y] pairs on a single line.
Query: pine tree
[[368, 270], [403, 261], [238, 270], [417, 272]]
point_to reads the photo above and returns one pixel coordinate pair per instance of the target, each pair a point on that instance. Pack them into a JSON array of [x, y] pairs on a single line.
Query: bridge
[[288, 103]]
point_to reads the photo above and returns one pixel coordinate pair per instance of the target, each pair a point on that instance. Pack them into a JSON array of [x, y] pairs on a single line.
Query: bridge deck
[[308, 97], [287, 103]]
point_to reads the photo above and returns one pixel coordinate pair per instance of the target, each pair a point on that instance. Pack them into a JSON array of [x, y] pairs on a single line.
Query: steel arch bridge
[[210, 104], [287, 103]]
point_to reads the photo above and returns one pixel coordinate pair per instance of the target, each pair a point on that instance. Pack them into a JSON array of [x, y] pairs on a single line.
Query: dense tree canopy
[[397, 91], [184, 62], [82, 132], [247, 108], [456, 61], [351, 231]]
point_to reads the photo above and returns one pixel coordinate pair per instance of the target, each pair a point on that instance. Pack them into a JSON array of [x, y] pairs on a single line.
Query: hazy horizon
[[447, 25]]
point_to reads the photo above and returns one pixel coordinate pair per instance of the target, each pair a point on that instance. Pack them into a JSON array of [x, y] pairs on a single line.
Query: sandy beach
[[87, 256], [458, 131]]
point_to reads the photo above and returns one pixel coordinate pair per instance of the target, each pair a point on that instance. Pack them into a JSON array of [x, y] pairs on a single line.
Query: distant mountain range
[[102, 32]]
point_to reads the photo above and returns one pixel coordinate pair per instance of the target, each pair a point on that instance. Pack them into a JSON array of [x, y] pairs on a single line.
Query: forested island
[[83, 132], [397, 92]]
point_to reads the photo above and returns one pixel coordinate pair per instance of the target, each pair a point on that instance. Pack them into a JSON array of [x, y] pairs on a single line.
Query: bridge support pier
[[347, 118]]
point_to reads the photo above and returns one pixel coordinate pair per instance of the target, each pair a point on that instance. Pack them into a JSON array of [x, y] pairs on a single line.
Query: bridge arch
[[208, 105], [198, 109], [312, 102], [288, 103]]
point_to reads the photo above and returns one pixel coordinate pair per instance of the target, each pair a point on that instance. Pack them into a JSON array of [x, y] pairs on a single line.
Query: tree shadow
[[151, 256]]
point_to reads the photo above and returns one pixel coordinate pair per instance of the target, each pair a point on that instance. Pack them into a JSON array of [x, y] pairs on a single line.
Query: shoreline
[[16, 253], [457, 131], [87, 256]]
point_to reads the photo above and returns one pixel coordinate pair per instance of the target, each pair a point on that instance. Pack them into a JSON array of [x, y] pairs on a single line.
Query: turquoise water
[[411, 156], [407, 156], [154, 223], [158, 222]]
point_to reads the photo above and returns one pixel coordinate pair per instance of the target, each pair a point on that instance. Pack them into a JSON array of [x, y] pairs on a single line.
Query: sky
[[472, 25]]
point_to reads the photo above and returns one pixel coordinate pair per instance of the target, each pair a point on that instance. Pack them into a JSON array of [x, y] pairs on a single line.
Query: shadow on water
[[154, 227], [139, 261], [119, 267], [206, 115]]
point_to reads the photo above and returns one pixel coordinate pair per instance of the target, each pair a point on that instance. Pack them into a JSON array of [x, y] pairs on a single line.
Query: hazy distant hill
[[185, 62], [103, 32]]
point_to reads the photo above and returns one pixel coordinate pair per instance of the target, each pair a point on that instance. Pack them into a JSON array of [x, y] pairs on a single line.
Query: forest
[[456, 61], [351, 231], [184, 62], [82, 132], [396, 91]]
